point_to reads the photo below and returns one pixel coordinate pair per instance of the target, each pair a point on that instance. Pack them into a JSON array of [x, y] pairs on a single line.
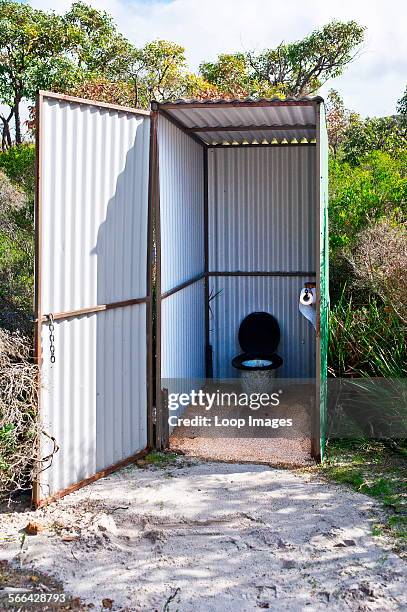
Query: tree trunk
[[17, 120], [6, 136]]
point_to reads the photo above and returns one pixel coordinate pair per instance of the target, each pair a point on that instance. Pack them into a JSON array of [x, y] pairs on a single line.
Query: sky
[[371, 85]]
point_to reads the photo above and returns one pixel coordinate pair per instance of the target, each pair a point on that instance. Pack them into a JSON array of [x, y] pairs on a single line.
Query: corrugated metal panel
[[94, 199], [240, 102], [277, 295], [257, 136], [183, 333], [222, 113], [262, 209], [93, 250], [212, 116], [183, 341], [93, 399], [181, 205]]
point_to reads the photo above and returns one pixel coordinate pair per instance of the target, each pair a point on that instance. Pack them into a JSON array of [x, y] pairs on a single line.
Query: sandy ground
[[289, 446], [213, 537]]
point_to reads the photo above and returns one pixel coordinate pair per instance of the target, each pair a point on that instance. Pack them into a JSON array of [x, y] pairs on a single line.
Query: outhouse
[[157, 233]]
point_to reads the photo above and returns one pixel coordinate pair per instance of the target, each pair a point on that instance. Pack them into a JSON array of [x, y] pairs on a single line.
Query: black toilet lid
[[259, 332]]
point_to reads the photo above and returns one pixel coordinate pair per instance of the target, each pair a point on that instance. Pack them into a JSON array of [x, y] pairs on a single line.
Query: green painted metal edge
[[324, 278]]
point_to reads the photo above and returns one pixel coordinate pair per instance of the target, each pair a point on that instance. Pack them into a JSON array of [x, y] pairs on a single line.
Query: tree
[[387, 134], [293, 69], [34, 54], [402, 106], [155, 72], [100, 49], [301, 67], [159, 73], [339, 119], [228, 74]]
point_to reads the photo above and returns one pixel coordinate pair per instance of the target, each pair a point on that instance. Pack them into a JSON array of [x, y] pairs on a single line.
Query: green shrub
[[359, 195], [16, 236], [18, 163], [386, 134]]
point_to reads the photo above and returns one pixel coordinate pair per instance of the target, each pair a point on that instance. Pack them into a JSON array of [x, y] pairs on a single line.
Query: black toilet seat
[[276, 361], [259, 332], [259, 337]]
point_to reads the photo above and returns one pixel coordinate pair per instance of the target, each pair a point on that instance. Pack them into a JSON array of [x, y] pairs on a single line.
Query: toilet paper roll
[[307, 296], [307, 305]]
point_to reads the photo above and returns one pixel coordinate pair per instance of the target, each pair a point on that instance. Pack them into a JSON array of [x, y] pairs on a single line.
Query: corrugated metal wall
[[181, 205], [94, 201], [262, 219], [241, 295], [262, 209], [94, 170], [183, 333], [93, 399], [182, 252]]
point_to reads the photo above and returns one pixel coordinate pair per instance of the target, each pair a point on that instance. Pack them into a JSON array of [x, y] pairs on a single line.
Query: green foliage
[[229, 72], [365, 340], [158, 459], [360, 194], [386, 134], [34, 54], [402, 105], [99, 48], [291, 69], [233, 76], [83, 49], [16, 276], [18, 163], [160, 72], [16, 233], [31, 43]]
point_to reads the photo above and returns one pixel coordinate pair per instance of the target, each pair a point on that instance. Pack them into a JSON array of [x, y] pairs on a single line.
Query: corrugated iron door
[[322, 141], [93, 289]]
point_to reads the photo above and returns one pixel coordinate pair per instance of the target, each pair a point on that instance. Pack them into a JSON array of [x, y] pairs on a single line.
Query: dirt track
[[213, 537]]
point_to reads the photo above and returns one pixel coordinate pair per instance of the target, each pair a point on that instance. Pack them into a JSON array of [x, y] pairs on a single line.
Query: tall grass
[[367, 340]]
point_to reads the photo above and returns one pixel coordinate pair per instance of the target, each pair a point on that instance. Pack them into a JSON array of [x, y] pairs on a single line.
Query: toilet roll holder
[[308, 293]]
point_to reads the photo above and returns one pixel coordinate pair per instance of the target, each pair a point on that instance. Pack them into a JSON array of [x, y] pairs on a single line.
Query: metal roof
[[249, 121]]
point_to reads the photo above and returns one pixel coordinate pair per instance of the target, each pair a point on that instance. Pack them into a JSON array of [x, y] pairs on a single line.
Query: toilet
[[259, 337]]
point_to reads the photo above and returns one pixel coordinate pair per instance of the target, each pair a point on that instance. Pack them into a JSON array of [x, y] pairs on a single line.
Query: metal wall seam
[[181, 206]]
